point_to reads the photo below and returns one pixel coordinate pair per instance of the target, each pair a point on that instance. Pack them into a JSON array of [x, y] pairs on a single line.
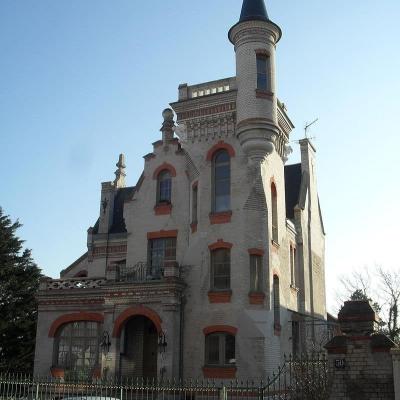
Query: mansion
[[212, 265]]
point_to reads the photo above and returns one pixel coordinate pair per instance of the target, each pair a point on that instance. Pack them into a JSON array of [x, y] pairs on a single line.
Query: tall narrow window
[[292, 256], [274, 213], [194, 204], [164, 187], [277, 303], [162, 253], [262, 72], [220, 269], [221, 181], [255, 273]]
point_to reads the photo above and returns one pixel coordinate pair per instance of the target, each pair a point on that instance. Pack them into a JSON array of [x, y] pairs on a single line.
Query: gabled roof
[[118, 224], [293, 177], [253, 10]]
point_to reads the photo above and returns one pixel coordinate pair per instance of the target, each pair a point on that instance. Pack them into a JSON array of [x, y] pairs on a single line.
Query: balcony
[[143, 272]]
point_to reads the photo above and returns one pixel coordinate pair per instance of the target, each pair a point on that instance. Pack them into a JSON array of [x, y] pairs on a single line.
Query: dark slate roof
[[118, 224], [253, 10], [293, 177]]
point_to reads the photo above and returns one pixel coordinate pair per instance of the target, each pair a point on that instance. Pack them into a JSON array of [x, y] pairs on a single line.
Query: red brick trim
[[221, 145], [220, 244], [57, 372], [136, 311], [256, 252], [81, 316], [219, 297], [219, 372], [220, 328], [256, 298], [263, 94], [162, 167], [263, 52], [220, 217], [162, 209], [193, 227], [162, 234]]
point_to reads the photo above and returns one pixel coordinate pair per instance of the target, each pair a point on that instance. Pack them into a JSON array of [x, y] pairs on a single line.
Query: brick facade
[[254, 131]]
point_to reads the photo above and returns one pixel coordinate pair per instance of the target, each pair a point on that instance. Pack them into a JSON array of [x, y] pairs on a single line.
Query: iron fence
[[296, 379]]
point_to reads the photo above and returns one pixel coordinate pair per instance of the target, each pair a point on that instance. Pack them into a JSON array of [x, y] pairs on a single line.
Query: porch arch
[[133, 312]]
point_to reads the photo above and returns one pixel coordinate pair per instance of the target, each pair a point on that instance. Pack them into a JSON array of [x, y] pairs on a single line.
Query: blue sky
[[83, 80]]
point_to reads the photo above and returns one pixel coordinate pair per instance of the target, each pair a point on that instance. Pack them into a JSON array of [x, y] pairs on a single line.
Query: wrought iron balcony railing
[[145, 272]]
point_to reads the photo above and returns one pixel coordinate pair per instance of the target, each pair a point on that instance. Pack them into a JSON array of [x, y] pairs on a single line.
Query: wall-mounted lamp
[[162, 342], [105, 343]]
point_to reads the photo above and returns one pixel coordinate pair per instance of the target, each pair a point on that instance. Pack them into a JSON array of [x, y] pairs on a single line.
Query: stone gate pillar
[[396, 371], [360, 363]]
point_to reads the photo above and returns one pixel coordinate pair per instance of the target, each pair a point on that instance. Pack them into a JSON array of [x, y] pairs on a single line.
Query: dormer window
[[164, 187]]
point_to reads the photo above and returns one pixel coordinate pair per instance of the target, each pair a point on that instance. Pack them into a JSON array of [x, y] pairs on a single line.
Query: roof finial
[[120, 174], [168, 125]]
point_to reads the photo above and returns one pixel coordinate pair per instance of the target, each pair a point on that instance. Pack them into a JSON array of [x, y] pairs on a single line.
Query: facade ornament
[[168, 125], [120, 174]]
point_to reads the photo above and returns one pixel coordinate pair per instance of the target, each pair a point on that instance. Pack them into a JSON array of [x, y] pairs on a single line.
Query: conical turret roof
[[253, 10]]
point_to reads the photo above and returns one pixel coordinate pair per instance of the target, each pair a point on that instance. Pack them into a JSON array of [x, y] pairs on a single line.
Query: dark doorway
[[139, 349]]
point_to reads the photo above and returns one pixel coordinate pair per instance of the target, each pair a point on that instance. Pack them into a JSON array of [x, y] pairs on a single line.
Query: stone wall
[[360, 363]]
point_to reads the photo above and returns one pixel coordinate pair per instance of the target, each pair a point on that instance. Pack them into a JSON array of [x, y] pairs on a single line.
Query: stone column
[[396, 371], [360, 363]]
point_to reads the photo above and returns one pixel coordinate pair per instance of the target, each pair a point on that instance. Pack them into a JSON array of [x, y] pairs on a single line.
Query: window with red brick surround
[[220, 359]]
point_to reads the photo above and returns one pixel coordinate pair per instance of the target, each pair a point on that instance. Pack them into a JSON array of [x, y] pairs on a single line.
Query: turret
[[255, 37]]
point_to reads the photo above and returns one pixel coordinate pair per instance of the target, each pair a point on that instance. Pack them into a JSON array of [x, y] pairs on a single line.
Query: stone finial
[[358, 317], [168, 125], [120, 174]]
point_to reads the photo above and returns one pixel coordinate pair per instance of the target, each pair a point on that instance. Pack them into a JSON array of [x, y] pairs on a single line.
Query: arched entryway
[[138, 348]]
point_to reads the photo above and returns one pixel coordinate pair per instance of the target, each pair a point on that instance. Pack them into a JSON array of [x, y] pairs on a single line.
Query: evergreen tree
[[19, 282]]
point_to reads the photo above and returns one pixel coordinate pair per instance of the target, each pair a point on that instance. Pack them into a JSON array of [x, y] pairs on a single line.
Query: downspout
[[181, 326]]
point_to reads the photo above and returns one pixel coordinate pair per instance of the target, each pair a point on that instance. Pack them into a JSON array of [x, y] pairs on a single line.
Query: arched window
[[274, 212], [277, 303], [77, 349], [220, 349], [221, 181], [220, 269], [164, 186]]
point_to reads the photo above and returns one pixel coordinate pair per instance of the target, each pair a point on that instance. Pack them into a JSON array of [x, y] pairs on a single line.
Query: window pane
[[212, 349], [229, 349], [261, 64], [222, 203], [277, 312], [262, 82], [222, 182], [255, 273], [220, 266]]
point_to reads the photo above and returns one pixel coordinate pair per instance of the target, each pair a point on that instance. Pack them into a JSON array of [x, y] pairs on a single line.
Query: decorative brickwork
[[163, 209], [220, 217], [81, 316], [162, 167], [136, 311], [221, 145], [220, 296], [219, 372]]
